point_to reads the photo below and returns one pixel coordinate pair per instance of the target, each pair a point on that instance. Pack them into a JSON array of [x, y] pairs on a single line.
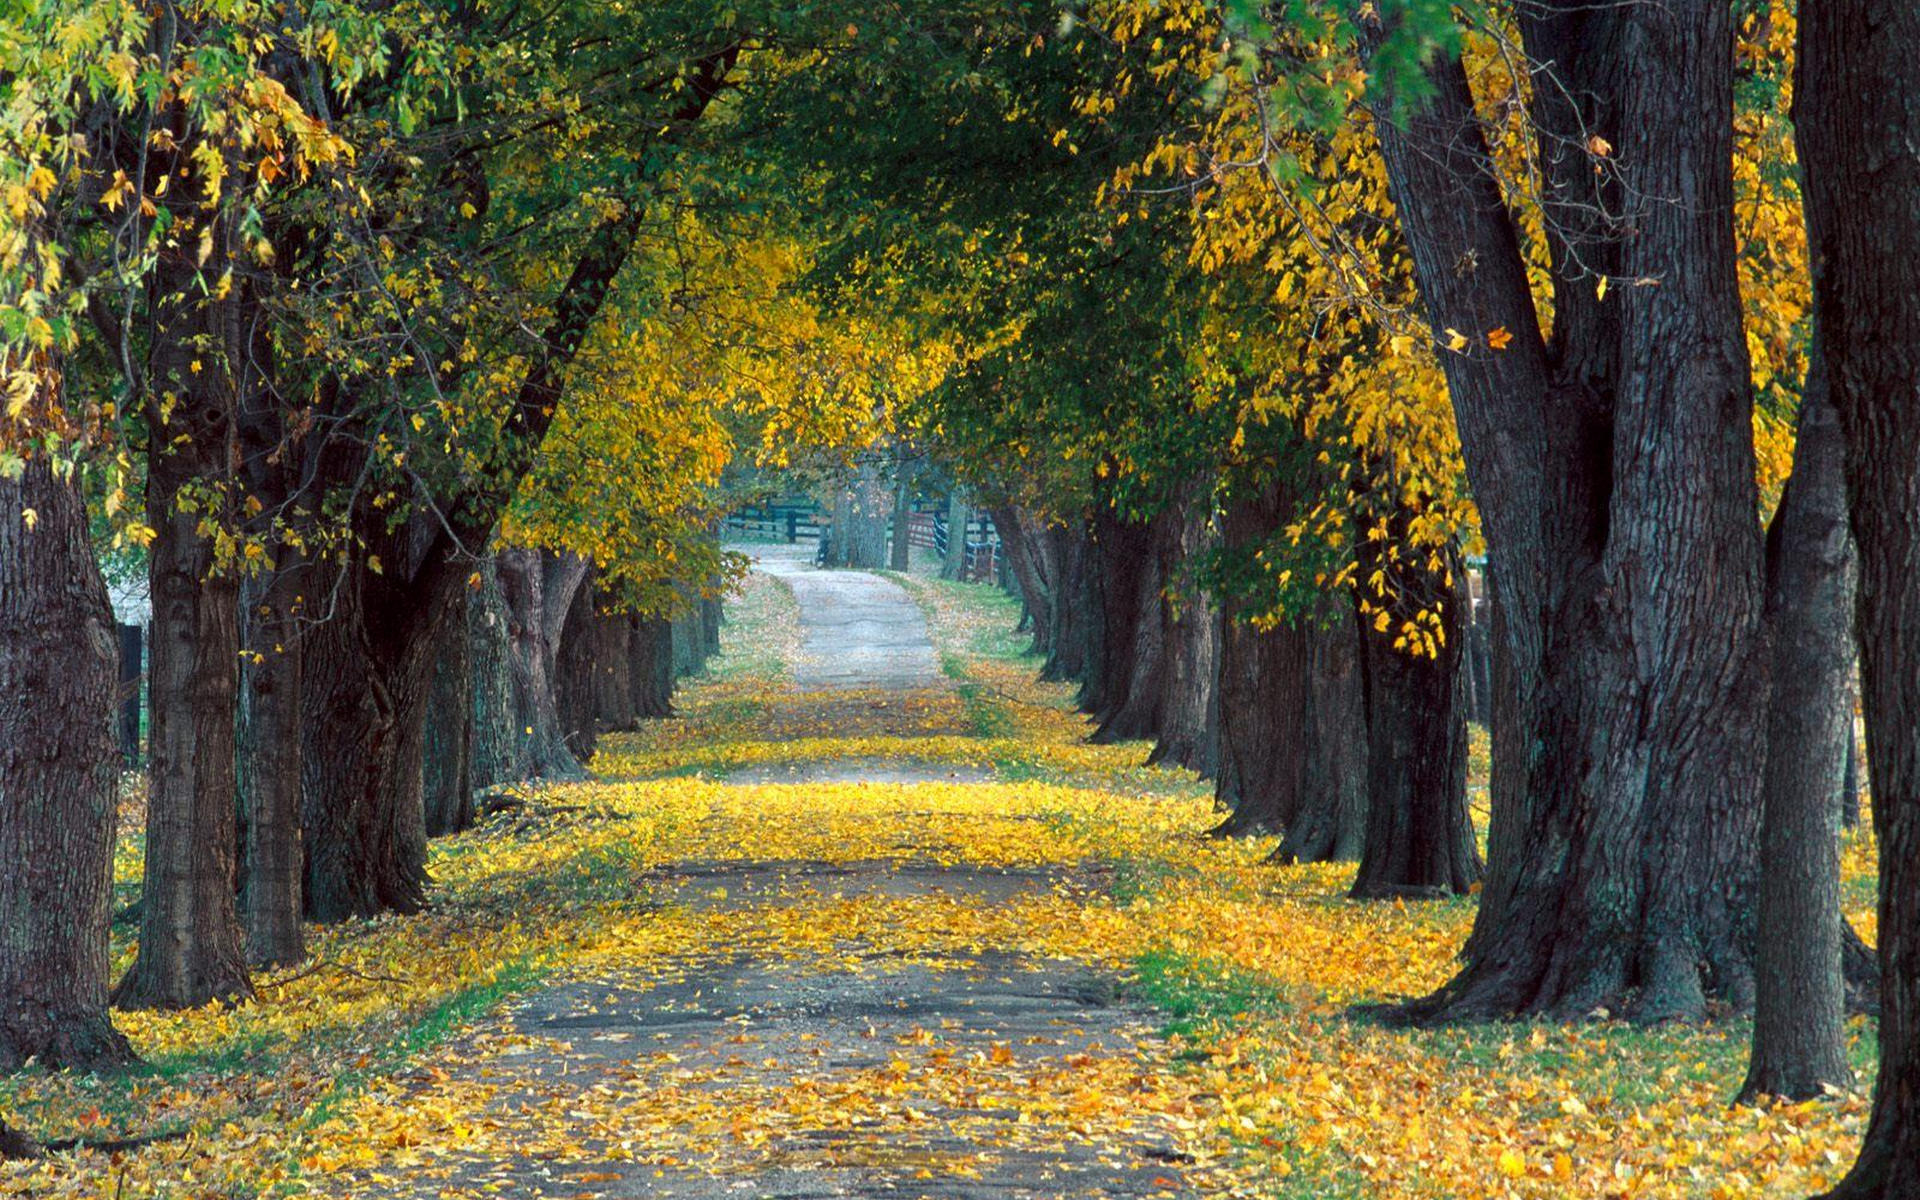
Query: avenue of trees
[[413, 355]]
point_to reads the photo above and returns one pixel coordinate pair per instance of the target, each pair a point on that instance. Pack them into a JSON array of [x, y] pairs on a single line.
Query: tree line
[[407, 352]]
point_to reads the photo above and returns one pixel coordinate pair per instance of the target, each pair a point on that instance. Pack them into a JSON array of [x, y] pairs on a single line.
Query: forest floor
[[883, 923]]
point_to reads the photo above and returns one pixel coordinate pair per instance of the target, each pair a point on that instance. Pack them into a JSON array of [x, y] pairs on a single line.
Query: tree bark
[[1190, 715], [59, 772], [1419, 837], [1075, 638], [652, 667], [1119, 556], [539, 590], [272, 905], [1028, 543], [1264, 685], [573, 669], [1799, 1042], [959, 515], [1856, 125], [494, 746], [900, 543], [191, 947], [1189, 725], [447, 766], [860, 511], [712, 616], [1329, 821], [613, 690], [1614, 471], [368, 683]]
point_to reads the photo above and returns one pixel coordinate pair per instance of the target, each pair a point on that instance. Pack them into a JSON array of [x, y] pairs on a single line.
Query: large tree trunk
[[447, 766], [1123, 570], [539, 590], [493, 752], [367, 679], [1614, 471], [1857, 124], [613, 690], [712, 617], [274, 863], [1799, 1045], [1292, 720], [191, 948], [573, 669], [1073, 611], [1189, 712], [651, 646], [1264, 681], [1329, 821], [1419, 836], [58, 774]]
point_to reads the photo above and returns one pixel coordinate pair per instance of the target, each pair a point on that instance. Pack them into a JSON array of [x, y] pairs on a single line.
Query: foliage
[[372, 1065]]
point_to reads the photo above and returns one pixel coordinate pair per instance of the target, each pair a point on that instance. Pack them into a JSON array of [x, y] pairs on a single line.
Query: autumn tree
[[1856, 127], [1597, 529]]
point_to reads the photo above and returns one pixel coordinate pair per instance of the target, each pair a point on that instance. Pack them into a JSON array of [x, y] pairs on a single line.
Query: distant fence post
[[793, 527], [130, 649]]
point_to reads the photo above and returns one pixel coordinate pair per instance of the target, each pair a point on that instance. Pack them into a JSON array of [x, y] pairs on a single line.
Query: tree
[[191, 948], [1614, 469], [60, 767], [1799, 1043], [1856, 126]]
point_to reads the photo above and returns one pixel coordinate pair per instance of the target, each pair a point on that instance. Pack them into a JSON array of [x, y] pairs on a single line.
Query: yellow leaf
[[1512, 1164], [1456, 341]]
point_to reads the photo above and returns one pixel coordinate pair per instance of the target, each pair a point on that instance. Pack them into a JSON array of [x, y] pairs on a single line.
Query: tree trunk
[[367, 685], [1027, 542], [1799, 1043], [539, 590], [191, 947], [900, 547], [272, 905], [711, 618], [573, 670], [1850, 774], [1329, 821], [613, 690], [1189, 725], [447, 766], [1070, 611], [59, 771], [1263, 728], [1123, 569], [959, 515], [493, 752], [1856, 124], [1615, 475], [860, 512], [651, 646], [1190, 715], [1419, 837]]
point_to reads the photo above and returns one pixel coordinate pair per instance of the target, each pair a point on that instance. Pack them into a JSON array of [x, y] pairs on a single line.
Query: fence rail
[[790, 523]]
